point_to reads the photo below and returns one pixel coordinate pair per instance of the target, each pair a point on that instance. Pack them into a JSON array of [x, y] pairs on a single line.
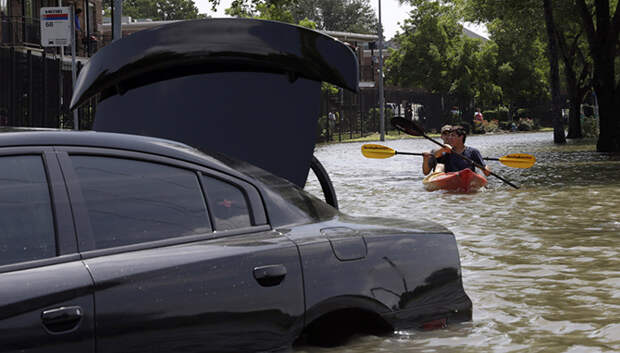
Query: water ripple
[[541, 264]]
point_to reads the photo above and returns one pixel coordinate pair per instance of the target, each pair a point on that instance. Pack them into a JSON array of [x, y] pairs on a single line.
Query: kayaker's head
[[459, 131], [446, 130]]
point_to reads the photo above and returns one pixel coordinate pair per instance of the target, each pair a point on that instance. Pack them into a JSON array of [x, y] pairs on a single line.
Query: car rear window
[[297, 204], [131, 201], [228, 205], [26, 219]]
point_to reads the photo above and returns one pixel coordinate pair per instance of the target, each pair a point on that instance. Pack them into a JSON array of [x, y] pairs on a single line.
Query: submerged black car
[[123, 243]]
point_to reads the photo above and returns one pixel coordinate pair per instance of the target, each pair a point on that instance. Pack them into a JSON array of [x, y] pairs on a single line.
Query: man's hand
[[487, 170], [445, 149]]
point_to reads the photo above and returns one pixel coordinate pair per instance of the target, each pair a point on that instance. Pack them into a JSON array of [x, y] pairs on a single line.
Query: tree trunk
[[574, 121], [602, 40], [609, 136], [605, 87], [554, 68]]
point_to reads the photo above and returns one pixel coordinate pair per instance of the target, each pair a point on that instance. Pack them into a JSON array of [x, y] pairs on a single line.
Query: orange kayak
[[465, 180]]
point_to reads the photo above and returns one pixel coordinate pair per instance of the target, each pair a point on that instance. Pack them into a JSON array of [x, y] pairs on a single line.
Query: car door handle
[[270, 275], [62, 319]]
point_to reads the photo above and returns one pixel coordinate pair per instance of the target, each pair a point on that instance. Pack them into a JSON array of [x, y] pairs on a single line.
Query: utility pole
[[73, 70], [117, 14], [381, 96]]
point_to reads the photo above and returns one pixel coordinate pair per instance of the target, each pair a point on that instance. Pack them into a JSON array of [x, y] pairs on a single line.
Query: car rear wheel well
[[336, 327]]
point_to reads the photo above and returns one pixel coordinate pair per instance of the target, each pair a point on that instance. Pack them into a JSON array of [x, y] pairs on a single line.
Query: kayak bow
[[465, 180]]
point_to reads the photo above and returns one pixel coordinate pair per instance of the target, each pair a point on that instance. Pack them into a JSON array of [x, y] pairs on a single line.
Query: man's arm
[[430, 159], [428, 162], [477, 157]]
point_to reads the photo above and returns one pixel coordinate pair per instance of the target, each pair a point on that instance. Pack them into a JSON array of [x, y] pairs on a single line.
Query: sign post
[[73, 68], [58, 30], [55, 26]]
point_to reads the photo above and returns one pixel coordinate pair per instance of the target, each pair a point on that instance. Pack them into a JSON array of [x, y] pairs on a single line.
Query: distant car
[[123, 243]]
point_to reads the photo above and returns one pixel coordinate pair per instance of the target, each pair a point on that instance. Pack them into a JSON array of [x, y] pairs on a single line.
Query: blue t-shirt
[[454, 163]]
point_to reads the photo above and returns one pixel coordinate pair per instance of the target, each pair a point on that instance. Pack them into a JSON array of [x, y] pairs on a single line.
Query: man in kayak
[[454, 140]]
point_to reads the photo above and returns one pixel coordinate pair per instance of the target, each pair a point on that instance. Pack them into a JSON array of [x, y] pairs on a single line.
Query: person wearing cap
[[429, 161], [454, 140]]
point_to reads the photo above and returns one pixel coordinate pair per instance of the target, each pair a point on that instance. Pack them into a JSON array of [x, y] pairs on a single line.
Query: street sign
[[55, 26]]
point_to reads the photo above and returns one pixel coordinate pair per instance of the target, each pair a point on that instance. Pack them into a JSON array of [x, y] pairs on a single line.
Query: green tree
[[577, 65], [334, 15], [596, 20], [521, 65], [526, 18], [161, 10], [434, 54], [427, 49], [263, 11], [249, 6], [488, 91], [464, 73], [337, 15]]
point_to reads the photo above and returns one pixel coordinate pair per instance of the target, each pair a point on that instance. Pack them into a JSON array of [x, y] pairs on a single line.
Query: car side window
[[26, 219], [228, 204], [131, 201]]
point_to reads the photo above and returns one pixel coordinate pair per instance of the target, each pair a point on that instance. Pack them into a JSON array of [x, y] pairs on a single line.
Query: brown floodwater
[[541, 264]]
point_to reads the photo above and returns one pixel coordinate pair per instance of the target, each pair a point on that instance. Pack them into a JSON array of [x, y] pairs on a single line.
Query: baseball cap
[[446, 128]]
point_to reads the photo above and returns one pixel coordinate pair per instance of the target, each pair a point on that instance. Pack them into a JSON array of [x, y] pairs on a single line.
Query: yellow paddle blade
[[372, 150], [518, 160]]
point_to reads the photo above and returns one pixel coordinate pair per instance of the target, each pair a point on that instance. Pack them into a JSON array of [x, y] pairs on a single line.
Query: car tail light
[[435, 324]]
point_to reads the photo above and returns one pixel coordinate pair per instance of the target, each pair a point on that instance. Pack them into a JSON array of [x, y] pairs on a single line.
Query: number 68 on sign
[[55, 26]]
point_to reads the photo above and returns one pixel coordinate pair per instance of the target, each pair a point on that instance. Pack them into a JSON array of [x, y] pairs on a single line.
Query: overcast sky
[[391, 14]]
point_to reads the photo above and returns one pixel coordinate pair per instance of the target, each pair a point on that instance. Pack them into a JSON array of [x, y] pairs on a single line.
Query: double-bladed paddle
[[411, 128], [514, 160]]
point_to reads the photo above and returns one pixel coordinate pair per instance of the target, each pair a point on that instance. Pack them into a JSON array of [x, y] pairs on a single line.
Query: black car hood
[[244, 87]]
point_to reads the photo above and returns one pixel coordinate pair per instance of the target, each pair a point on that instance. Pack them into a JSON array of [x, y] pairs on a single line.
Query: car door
[[176, 271], [46, 300]]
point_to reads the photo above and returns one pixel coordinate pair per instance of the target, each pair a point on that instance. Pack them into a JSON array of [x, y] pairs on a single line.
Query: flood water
[[541, 264]]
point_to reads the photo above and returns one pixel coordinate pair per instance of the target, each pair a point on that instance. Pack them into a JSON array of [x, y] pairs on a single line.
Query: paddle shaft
[[472, 162], [409, 153], [421, 154]]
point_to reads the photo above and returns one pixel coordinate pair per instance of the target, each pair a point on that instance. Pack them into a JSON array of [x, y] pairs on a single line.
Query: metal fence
[[35, 91], [358, 115]]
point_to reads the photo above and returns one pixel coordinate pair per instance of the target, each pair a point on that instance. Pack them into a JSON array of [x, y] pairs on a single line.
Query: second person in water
[[444, 160]]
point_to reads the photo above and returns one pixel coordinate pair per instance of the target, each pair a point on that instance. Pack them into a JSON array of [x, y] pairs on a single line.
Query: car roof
[[17, 137]]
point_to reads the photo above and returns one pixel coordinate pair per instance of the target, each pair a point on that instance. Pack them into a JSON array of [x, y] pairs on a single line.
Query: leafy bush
[[322, 128], [523, 113], [482, 127], [589, 127], [526, 124], [478, 127], [490, 114], [500, 114], [505, 125], [490, 125]]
